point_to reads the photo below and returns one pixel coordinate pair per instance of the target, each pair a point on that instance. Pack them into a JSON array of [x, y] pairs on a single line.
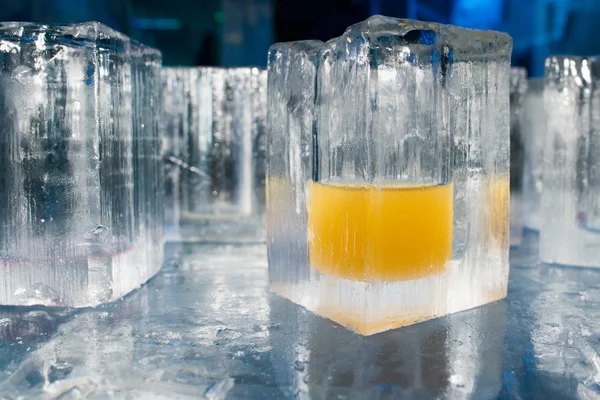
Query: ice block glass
[[79, 221], [221, 154], [518, 88], [570, 231], [533, 133], [176, 91], [393, 206]]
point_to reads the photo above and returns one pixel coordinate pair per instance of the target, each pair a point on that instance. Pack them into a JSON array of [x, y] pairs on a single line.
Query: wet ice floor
[[207, 326]]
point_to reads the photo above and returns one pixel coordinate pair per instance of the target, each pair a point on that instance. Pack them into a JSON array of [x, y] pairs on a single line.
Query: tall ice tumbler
[[80, 216], [570, 230], [407, 191]]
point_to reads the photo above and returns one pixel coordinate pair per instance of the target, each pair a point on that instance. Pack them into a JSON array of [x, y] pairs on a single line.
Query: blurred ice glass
[[80, 222], [570, 229], [215, 153], [533, 133]]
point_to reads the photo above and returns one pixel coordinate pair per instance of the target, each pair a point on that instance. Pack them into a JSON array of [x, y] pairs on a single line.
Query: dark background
[[239, 32]]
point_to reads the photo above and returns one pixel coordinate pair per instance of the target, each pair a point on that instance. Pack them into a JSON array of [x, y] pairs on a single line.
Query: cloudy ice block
[[80, 219], [388, 172], [217, 123], [570, 228], [518, 88], [533, 131]]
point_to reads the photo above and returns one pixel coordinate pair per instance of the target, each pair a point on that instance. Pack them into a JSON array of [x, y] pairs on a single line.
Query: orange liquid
[[380, 233], [499, 204]]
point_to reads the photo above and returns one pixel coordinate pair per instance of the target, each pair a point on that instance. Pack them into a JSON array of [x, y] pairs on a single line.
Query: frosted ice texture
[[518, 88], [148, 172], [217, 127], [80, 219], [385, 90], [570, 232], [533, 132]]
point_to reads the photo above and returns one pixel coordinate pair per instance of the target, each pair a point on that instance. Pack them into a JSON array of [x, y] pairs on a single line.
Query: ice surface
[[518, 88], [216, 162], [400, 102], [570, 231], [533, 130], [80, 220], [206, 326]]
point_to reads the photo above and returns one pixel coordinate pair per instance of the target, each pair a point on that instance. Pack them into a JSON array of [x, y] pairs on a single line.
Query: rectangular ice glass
[[219, 163], [570, 233], [391, 205], [518, 88], [80, 221]]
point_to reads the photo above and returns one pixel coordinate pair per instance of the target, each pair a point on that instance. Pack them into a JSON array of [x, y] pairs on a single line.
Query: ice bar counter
[[81, 184], [388, 172]]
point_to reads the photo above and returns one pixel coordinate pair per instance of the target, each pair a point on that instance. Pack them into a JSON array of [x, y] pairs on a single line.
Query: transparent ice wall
[[74, 220], [217, 123], [570, 230], [518, 88], [382, 90], [533, 132]]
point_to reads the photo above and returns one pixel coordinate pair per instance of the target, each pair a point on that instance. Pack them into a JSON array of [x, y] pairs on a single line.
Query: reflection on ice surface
[[207, 326]]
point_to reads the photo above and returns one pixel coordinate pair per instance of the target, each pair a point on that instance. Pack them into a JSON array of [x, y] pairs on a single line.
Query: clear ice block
[[219, 163], [393, 207], [570, 231], [533, 131], [79, 220], [518, 88]]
